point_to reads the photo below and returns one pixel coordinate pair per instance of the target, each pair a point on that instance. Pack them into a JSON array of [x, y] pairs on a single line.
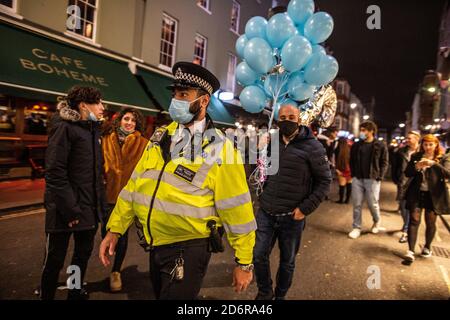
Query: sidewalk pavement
[[15, 194]]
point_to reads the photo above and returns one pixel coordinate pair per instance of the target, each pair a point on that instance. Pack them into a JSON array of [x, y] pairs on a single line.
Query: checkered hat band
[[193, 79]]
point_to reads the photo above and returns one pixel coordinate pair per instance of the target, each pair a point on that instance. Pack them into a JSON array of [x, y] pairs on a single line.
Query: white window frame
[[236, 3], [161, 65], [75, 35], [205, 49], [340, 88], [207, 9], [338, 122], [11, 11], [231, 73], [340, 106]]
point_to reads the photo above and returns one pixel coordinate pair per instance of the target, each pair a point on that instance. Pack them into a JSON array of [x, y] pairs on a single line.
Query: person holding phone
[[428, 171]]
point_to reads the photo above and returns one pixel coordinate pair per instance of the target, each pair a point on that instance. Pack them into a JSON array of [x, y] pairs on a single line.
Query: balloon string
[[259, 175]]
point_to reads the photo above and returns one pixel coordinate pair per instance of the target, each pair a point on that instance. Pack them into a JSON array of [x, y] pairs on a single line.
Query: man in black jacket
[[294, 192], [402, 157], [74, 188], [369, 163]]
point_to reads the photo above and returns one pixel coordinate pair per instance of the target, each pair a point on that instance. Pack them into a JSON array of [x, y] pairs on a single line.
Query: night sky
[[390, 63]]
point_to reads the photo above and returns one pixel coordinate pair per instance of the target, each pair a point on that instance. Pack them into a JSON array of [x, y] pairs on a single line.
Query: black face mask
[[195, 109], [287, 128]]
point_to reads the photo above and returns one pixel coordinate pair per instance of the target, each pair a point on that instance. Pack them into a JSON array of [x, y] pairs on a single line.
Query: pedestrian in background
[[402, 158], [368, 164], [328, 140], [429, 171], [122, 146], [343, 171], [74, 190]]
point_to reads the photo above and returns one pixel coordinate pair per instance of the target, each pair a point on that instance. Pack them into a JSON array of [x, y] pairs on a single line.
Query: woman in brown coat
[[123, 146]]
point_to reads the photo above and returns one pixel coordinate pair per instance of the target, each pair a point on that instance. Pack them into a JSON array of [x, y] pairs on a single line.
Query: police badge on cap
[[191, 75]]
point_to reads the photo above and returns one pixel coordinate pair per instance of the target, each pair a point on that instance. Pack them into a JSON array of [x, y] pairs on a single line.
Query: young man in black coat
[[369, 162], [302, 182], [74, 191]]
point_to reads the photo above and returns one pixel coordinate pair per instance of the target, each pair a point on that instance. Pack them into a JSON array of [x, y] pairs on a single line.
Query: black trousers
[[56, 250], [163, 260]]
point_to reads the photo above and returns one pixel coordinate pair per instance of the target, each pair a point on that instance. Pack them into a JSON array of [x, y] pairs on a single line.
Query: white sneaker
[[355, 233], [376, 228], [426, 253], [409, 256]]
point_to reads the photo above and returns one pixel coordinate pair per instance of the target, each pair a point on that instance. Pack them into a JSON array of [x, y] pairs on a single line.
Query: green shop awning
[[156, 87], [219, 113], [33, 65]]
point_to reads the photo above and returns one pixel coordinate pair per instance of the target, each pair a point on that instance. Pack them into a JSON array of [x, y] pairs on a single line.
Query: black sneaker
[[264, 296]]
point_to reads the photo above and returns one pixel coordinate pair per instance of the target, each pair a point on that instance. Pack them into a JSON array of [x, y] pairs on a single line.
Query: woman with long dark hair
[[428, 171], [344, 174], [123, 145]]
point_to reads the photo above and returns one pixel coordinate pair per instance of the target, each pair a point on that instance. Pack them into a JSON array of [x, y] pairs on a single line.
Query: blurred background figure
[[399, 164], [343, 172]]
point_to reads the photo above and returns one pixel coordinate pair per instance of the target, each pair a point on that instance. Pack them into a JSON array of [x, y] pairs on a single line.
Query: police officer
[[189, 184]]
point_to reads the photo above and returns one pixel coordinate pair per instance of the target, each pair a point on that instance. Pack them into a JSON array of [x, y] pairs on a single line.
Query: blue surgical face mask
[[179, 111], [362, 136], [92, 117]]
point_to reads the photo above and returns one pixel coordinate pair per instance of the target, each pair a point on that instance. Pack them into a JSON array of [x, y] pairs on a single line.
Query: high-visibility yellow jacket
[[185, 195]]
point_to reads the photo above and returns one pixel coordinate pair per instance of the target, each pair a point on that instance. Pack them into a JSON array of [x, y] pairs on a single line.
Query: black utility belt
[[187, 243]]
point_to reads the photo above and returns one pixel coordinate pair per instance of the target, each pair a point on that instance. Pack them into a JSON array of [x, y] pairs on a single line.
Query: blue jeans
[[405, 215], [288, 232], [369, 189]]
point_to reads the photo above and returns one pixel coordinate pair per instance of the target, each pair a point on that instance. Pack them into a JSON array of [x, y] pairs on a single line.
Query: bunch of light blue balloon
[[283, 59]]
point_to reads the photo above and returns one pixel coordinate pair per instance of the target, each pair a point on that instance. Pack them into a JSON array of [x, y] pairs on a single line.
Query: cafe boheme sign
[[61, 66]]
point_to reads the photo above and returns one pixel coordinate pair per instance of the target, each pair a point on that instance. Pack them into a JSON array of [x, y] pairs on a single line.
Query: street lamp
[[401, 125], [226, 96]]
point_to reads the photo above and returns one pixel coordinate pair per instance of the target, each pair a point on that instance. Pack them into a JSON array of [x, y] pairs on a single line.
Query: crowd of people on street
[[182, 194]]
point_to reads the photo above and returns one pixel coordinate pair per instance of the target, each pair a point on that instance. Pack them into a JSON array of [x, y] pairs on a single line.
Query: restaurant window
[[231, 75], [37, 118], [235, 16], [7, 115], [168, 41], [204, 4], [81, 17], [200, 50]]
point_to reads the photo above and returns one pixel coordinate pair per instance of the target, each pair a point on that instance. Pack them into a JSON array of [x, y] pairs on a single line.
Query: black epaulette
[[159, 134]]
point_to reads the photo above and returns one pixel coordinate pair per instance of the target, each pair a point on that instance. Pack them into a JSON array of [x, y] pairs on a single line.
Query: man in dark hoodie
[[294, 192], [74, 191]]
